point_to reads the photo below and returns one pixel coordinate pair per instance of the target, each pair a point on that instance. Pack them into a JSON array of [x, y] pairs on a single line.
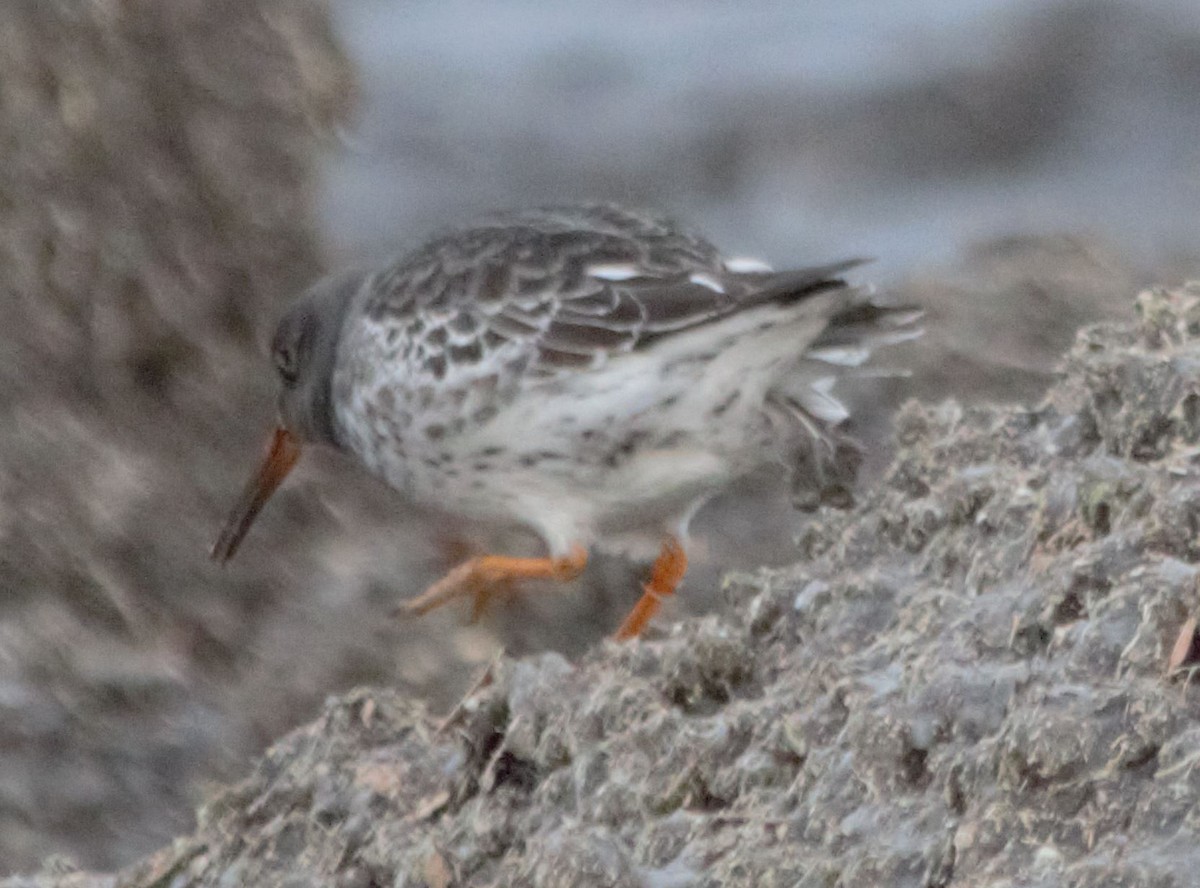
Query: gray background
[[799, 130]]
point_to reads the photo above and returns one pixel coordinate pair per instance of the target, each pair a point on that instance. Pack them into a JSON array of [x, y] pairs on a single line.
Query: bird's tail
[[815, 416]]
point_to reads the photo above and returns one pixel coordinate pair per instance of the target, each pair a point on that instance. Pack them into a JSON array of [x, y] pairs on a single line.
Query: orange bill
[[282, 453]]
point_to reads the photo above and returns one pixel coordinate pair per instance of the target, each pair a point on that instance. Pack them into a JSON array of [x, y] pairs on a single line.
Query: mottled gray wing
[[566, 287]]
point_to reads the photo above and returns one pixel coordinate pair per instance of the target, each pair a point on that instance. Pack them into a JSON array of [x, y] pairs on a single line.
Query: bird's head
[[303, 352]]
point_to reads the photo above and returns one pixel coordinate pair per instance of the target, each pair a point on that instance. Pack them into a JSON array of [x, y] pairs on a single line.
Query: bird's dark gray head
[[303, 351]]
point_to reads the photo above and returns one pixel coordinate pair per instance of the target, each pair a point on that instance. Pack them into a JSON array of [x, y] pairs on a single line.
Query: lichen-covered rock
[[963, 684]]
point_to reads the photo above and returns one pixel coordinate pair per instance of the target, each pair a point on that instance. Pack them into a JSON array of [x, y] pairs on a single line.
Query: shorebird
[[590, 373]]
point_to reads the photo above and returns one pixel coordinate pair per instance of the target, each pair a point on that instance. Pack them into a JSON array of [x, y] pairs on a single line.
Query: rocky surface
[[961, 682]]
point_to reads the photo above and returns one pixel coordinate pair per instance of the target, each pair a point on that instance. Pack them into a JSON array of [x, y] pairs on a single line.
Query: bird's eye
[[287, 362], [292, 344]]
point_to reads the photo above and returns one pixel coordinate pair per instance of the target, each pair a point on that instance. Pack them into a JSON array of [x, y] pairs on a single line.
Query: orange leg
[[665, 578], [480, 576]]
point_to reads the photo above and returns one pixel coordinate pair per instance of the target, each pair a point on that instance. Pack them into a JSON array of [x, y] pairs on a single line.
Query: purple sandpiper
[[590, 373]]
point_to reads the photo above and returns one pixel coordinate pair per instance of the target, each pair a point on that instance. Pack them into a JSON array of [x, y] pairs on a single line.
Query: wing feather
[[554, 290]]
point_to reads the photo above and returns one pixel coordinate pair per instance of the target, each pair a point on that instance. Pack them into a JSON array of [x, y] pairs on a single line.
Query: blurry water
[[799, 130]]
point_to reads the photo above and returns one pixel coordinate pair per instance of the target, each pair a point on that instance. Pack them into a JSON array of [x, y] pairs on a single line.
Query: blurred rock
[[997, 323], [155, 213], [155, 200]]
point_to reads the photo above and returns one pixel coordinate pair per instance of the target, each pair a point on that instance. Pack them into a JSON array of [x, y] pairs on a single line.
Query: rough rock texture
[[996, 325], [961, 683]]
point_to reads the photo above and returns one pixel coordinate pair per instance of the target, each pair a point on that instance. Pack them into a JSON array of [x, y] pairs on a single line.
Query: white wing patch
[[906, 332], [702, 279], [746, 265], [847, 356], [614, 271], [819, 401]]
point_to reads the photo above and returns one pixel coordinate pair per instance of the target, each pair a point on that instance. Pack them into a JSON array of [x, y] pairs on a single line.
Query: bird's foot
[[665, 577], [479, 578]]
